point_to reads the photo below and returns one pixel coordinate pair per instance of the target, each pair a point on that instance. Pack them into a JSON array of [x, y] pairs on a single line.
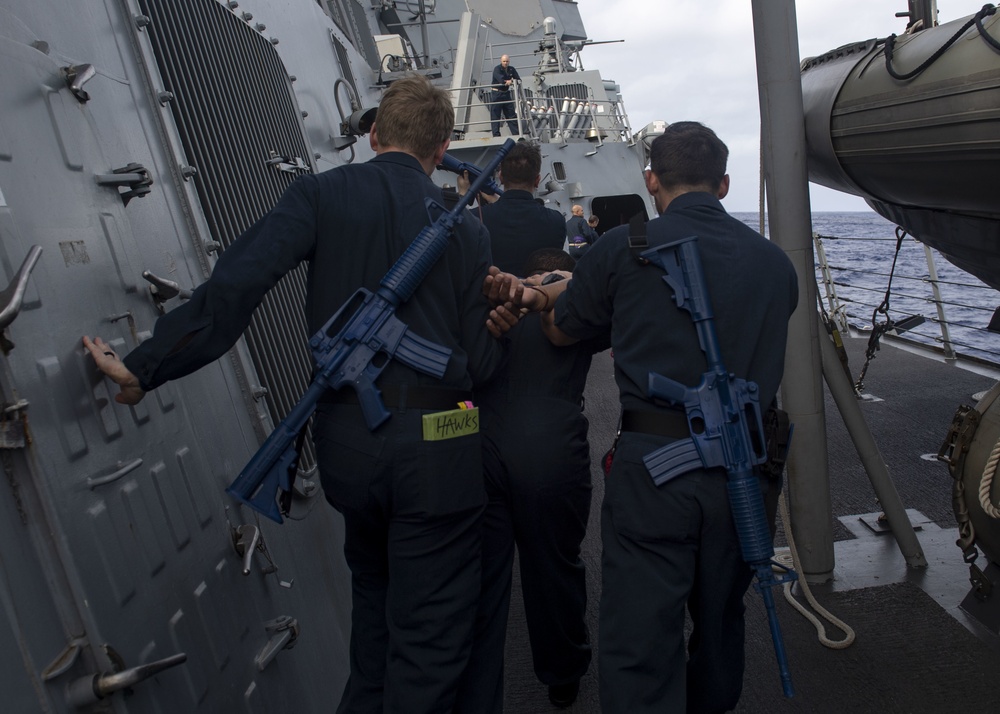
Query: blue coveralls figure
[[412, 508], [580, 235], [518, 223], [537, 464], [502, 101], [537, 471], [674, 546]]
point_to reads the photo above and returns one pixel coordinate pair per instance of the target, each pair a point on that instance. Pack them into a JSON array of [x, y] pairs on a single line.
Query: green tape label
[[450, 424]]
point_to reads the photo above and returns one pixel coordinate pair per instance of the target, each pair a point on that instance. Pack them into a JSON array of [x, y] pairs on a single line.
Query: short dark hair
[[545, 260], [521, 165], [688, 153]]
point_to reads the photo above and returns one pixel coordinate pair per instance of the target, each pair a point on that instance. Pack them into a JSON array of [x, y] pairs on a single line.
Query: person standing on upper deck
[[502, 101]]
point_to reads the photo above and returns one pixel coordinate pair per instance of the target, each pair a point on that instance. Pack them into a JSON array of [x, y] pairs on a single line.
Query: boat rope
[[987, 481], [982, 30], [879, 329], [977, 20], [782, 560]]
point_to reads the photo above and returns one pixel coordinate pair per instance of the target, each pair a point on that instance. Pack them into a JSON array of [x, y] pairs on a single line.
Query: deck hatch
[[349, 16]]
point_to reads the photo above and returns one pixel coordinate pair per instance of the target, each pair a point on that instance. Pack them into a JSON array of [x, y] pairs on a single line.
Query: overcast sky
[[694, 60]]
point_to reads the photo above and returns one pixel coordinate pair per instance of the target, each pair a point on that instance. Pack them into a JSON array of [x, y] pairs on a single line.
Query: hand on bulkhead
[[108, 362]]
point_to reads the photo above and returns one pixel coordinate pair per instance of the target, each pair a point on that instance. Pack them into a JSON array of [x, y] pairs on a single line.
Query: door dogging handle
[[13, 295], [91, 689], [162, 289]]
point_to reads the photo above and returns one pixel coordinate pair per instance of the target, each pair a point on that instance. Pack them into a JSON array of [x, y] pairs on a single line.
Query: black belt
[[673, 424], [404, 397]]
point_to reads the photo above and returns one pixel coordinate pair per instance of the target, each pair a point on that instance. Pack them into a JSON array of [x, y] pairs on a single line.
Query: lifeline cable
[[880, 329], [890, 43]]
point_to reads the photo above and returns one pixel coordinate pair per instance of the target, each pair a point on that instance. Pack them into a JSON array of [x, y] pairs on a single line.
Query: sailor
[[412, 507], [671, 546], [502, 101], [580, 234], [519, 224], [537, 463]]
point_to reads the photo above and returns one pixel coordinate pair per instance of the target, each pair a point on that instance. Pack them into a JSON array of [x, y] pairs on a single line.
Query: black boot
[[563, 695]]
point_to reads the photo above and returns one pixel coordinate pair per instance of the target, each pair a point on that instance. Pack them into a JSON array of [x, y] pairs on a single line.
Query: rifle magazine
[[670, 461]]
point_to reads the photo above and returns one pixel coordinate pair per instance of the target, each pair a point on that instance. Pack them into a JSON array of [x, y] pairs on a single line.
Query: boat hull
[[921, 151]]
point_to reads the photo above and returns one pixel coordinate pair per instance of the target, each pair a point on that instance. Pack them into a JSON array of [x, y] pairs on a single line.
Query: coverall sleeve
[[486, 353], [202, 329], [498, 79]]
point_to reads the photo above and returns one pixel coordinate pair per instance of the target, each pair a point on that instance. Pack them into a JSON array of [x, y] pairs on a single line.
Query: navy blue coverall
[[580, 235], [501, 101], [518, 226], [412, 509], [675, 545], [537, 463]]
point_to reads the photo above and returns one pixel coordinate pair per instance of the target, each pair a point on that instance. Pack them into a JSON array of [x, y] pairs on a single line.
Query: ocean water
[[860, 248]]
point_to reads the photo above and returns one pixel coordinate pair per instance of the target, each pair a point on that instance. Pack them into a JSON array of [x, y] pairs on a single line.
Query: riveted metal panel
[[115, 530]]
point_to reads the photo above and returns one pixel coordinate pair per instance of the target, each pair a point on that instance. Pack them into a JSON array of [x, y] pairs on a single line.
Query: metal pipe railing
[[949, 351], [550, 118], [836, 309], [850, 305]]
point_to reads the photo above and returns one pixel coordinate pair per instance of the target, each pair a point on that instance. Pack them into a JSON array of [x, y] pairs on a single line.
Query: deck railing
[[555, 119], [930, 301], [548, 119]]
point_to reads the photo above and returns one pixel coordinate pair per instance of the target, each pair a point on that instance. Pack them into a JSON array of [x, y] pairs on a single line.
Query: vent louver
[[240, 127], [573, 91]]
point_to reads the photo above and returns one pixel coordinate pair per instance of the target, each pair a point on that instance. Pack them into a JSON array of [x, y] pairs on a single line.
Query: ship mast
[[921, 11]]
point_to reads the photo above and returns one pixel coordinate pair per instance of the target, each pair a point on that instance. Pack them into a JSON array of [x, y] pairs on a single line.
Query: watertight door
[[116, 551]]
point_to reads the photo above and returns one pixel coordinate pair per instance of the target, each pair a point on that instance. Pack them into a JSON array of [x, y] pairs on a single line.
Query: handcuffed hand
[[502, 318], [500, 288]]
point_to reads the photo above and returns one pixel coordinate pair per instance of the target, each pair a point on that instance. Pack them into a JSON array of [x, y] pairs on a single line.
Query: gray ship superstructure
[[138, 139]]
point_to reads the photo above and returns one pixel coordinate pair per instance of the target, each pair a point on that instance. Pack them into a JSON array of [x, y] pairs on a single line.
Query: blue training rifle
[[450, 163], [343, 351], [723, 414]]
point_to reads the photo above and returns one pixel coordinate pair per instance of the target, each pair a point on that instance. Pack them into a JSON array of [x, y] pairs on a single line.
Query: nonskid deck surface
[[916, 650]]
